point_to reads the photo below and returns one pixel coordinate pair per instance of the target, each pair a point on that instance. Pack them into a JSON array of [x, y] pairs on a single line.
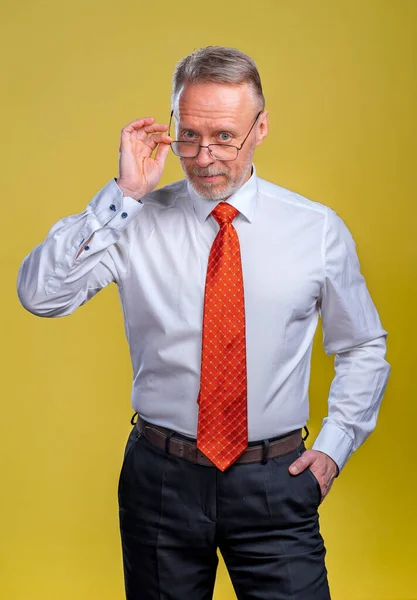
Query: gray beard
[[210, 193]]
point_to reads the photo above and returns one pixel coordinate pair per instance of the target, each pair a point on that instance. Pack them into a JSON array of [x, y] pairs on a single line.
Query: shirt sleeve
[[63, 272], [352, 331]]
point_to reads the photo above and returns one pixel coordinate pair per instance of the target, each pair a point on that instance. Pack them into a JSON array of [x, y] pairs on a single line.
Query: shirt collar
[[244, 200]]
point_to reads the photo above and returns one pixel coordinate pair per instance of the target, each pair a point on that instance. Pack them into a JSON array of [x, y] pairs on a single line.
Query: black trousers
[[174, 515]]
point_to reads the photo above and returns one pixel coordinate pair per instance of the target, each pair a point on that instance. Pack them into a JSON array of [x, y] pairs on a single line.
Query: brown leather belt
[[165, 439]]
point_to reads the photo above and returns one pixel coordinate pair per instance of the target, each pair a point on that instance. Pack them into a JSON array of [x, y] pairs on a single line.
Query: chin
[[211, 191]]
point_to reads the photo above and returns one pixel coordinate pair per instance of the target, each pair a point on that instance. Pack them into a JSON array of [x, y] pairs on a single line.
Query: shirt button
[[86, 247], [112, 207], [124, 215]]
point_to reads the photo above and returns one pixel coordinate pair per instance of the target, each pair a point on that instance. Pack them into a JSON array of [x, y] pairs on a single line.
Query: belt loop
[[307, 433], [132, 420], [265, 451], [168, 441]]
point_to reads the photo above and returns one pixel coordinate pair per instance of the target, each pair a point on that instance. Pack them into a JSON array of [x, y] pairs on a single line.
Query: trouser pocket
[[310, 475]]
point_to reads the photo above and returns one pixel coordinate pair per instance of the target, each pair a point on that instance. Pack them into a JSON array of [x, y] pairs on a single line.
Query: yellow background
[[340, 82]]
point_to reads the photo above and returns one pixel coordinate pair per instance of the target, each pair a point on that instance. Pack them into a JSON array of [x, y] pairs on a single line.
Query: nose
[[204, 158]]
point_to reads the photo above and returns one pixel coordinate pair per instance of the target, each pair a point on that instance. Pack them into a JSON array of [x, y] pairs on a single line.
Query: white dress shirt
[[298, 261]]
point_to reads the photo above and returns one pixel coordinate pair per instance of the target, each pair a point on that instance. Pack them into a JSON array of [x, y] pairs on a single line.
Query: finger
[[156, 127], [143, 132], [158, 138], [300, 464], [161, 154], [131, 129], [138, 123]]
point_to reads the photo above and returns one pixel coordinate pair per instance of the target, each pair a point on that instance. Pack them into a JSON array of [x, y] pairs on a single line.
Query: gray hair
[[217, 64]]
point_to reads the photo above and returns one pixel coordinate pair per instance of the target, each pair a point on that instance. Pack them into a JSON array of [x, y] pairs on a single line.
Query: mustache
[[204, 172]]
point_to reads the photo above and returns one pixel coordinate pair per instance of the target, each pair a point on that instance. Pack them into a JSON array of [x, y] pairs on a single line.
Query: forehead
[[215, 102]]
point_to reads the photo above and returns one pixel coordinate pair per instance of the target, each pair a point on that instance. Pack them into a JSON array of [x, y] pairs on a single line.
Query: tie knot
[[224, 213]]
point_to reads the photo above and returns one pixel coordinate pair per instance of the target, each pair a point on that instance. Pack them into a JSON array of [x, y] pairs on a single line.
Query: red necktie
[[222, 419]]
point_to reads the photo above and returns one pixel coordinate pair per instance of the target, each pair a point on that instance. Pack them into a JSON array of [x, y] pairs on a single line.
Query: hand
[[321, 465], [139, 173]]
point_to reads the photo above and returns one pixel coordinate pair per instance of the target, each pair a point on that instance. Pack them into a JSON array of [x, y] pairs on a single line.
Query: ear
[[262, 129]]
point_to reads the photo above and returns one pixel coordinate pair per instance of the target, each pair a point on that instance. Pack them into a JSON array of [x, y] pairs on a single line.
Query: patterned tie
[[222, 419]]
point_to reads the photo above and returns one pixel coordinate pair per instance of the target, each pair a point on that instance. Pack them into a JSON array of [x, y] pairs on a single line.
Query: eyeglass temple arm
[[253, 125], [170, 119]]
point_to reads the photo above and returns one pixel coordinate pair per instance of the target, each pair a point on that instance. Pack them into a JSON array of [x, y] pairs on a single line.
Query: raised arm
[[76, 259]]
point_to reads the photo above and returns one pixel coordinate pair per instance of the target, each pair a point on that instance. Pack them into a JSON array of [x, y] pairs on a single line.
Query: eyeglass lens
[[191, 150]]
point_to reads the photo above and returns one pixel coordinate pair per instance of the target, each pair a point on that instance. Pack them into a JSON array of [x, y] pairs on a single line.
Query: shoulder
[[278, 194]]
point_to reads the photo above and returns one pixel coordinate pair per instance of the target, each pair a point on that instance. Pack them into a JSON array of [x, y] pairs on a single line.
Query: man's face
[[212, 113]]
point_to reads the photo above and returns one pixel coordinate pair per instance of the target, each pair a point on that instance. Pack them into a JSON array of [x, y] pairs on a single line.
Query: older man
[[222, 277]]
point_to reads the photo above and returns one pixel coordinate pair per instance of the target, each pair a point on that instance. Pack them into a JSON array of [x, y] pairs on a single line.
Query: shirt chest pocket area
[[284, 285]]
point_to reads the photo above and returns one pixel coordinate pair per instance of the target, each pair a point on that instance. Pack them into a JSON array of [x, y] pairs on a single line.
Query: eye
[[225, 137], [189, 135]]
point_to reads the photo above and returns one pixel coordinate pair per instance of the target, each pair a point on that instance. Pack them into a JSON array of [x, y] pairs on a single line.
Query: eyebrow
[[231, 130]]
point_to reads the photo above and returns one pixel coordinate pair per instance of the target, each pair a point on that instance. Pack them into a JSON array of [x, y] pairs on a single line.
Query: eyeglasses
[[217, 151]]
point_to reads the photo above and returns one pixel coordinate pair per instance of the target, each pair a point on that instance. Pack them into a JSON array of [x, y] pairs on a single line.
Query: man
[[222, 277]]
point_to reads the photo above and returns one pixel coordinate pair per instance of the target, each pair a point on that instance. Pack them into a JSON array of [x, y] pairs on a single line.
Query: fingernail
[[294, 470]]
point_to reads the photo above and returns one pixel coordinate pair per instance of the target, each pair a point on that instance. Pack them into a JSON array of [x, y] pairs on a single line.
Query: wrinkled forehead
[[213, 103]]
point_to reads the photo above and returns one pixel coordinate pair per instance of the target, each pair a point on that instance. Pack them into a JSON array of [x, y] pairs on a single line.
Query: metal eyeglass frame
[[210, 145]]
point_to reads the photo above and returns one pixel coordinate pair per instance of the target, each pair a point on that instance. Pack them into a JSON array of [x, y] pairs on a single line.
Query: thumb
[[301, 464], [162, 153]]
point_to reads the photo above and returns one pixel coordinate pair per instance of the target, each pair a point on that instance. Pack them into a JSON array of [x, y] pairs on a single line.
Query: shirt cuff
[[112, 209], [334, 442]]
